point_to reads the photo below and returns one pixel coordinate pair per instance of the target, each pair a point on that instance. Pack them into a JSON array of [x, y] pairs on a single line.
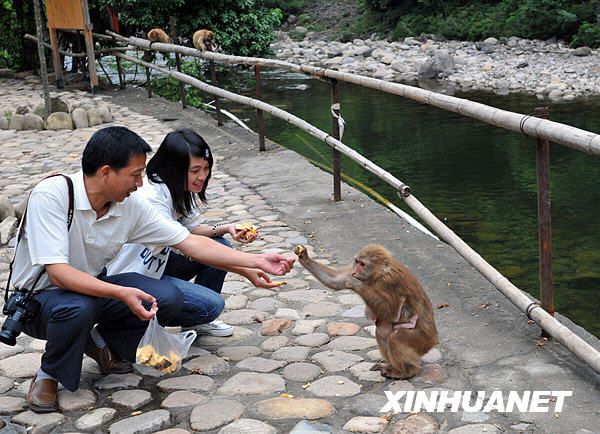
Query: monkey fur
[[202, 39], [158, 35], [403, 314]]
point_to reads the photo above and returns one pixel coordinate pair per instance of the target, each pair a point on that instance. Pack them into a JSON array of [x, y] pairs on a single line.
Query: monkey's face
[[361, 268]]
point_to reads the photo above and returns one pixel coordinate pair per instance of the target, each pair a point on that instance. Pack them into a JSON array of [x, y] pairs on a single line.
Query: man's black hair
[[112, 146]]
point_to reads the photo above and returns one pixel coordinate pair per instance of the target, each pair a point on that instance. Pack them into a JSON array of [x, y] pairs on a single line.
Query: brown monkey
[[203, 39], [158, 35], [405, 326]]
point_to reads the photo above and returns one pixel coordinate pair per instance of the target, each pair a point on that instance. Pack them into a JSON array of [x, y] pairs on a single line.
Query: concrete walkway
[[298, 361]]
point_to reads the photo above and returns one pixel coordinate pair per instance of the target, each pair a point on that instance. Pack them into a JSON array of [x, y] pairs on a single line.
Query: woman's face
[[198, 171]]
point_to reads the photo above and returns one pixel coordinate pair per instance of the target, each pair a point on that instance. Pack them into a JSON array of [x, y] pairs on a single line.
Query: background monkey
[[203, 39], [158, 35], [405, 326]]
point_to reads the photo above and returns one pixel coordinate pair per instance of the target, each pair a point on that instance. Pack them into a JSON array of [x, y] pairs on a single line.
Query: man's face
[[122, 182]]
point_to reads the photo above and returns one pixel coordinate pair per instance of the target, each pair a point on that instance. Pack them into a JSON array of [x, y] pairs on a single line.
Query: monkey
[[403, 314], [158, 35], [203, 39]]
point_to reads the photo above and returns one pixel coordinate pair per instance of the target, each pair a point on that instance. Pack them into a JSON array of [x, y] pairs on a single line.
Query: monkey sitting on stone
[[405, 325], [158, 35], [202, 39]]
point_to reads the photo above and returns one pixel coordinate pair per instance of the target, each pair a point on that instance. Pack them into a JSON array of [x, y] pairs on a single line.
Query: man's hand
[[134, 297], [275, 264]]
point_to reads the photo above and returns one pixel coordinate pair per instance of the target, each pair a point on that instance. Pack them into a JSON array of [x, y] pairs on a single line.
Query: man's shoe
[[108, 361], [214, 328], [42, 396]]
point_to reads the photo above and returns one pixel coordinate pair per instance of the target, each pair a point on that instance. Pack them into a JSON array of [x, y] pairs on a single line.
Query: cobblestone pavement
[[299, 358]]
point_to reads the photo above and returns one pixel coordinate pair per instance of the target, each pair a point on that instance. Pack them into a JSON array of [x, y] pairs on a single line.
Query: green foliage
[[570, 20], [241, 26], [169, 88], [588, 34], [287, 6], [16, 19]]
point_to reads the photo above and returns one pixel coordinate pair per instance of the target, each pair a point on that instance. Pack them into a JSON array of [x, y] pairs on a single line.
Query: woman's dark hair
[[170, 166]]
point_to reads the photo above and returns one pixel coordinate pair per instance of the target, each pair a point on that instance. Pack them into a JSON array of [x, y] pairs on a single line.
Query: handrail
[[520, 299], [569, 136]]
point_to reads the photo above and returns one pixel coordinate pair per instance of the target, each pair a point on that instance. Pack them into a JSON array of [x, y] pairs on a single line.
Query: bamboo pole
[[70, 53], [259, 113], [521, 300], [42, 58], [566, 135]]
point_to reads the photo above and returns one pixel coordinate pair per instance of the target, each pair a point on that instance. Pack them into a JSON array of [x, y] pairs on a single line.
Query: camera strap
[[22, 231]]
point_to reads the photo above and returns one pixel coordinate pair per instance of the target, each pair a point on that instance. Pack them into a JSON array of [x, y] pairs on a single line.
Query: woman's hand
[[240, 235], [260, 279]]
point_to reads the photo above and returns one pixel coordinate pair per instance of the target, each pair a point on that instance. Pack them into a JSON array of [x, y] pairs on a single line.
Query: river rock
[[334, 385], [366, 424], [250, 383], [259, 364], [582, 51], [79, 400], [56, 105], [235, 354], [274, 343], [304, 408], [21, 365], [11, 404], [4, 123], [207, 365], [248, 426], [214, 414], [17, 122], [131, 399], [301, 372], [441, 65], [94, 117], [59, 121], [6, 208], [22, 109], [95, 419], [335, 361], [192, 383], [80, 118], [33, 122], [183, 398], [416, 424], [105, 114], [147, 422], [39, 423]]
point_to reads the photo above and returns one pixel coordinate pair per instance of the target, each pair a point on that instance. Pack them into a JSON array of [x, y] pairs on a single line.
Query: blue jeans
[[202, 301]]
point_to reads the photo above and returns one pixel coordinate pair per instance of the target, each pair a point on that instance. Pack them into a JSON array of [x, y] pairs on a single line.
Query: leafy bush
[[588, 35], [241, 27]]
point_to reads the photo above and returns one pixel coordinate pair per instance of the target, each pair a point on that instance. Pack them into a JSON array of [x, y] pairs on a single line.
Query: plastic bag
[[162, 350]]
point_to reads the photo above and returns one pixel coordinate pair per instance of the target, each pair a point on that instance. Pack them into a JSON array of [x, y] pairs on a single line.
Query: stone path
[[298, 361]]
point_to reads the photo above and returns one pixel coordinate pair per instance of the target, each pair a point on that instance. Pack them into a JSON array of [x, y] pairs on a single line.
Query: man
[[74, 292]]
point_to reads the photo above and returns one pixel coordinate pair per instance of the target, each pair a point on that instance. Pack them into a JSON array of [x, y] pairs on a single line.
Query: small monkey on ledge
[[405, 326], [202, 39], [158, 35]]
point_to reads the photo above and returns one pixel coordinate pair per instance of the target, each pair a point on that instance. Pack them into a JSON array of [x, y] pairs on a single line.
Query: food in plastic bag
[[162, 350]]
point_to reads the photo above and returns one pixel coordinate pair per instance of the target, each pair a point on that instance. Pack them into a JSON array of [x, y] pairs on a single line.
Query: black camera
[[20, 308]]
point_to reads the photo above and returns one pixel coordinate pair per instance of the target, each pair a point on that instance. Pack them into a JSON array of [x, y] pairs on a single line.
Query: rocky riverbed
[[548, 69]]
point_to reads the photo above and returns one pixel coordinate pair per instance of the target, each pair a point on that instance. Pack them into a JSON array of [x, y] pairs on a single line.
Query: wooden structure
[[71, 15]]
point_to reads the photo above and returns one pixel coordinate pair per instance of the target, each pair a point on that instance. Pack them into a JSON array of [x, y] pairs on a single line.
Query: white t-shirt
[[140, 258], [90, 244]]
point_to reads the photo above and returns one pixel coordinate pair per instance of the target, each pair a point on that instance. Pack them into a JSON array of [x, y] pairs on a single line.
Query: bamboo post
[[42, 57], [149, 82], [120, 72], [544, 218], [178, 61], [89, 43], [213, 78], [259, 112], [335, 132], [58, 66]]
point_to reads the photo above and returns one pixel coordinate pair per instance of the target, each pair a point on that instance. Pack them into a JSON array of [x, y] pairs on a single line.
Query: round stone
[[301, 372], [214, 414], [321, 309], [352, 343], [81, 399], [342, 328], [193, 383], [260, 364], [95, 419], [183, 398], [274, 343], [248, 426], [235, 354], [303, 408], [10, 404], [131, 399], [313, 340], [291, 354], [334, 385], [366, 424], [417, 424]]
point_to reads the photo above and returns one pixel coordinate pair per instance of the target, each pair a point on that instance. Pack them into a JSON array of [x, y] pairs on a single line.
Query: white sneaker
[[214, 328]]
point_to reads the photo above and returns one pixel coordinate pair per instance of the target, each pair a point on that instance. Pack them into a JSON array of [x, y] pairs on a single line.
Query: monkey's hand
[[302, 253]]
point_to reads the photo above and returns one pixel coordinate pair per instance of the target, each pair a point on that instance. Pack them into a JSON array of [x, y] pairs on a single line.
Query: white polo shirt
[[90, 244], [142, 259]]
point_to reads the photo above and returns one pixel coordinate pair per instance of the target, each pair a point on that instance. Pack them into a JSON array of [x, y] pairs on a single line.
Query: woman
[[178, 175]]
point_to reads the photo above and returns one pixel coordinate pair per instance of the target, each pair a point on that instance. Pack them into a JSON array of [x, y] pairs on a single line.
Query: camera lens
[[10, 331]]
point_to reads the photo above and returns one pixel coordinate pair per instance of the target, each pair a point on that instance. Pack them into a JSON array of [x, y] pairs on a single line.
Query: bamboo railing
[[566, 135], [537, 127]]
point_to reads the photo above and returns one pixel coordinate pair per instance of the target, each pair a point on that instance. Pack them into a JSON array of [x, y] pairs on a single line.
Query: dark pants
[[201, 300], [66, 319], [183, 268]]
